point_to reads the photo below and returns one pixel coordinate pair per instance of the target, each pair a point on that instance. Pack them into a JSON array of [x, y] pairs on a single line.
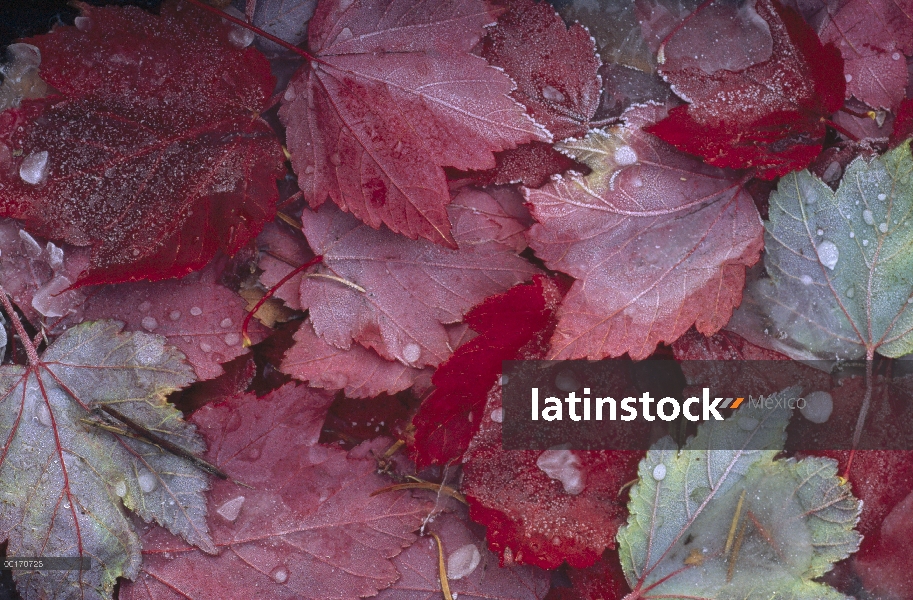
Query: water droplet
[[852, 235], [562, 465], [82, 23], [625, 155], [411, 353], [553, 94], [240, 37], [848, 77], [865, 242], [895, 56], [196, 311], [147, 481], [226, 322], [748, 423], [882, 197], [567, 381], [205, 347], [820, 232], [832, 172], [818, 407], [279, 575], [145, 306], [120, 488], [463, 561], [150, 323], [505, 379], [850, 292], [497, 415], [868, 217], [43, 414], [231, 509], [806, 280], [34, 167], [828, 254], [335, 159], [659, 472], [883, 227], [174, 315], [232, 339]]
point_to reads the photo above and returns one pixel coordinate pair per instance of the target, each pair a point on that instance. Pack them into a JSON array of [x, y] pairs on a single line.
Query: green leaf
[[841, 264], [795, 520], [63, 480]]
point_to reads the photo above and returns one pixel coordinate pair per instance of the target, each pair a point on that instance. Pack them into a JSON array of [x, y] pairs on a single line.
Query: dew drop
[[883, 227], [850, 292], [748, 423], [505, 379], [205, 347], [240, 37], [145, 306], [553, 94], [818, 407], [868, 217], [567, 381], [828, 254], [120, 488], [832, 172], [335, 159], [147, 481], [806, 280], [820, 232], [34, 167], [882, 197], [497, 415], [412, 352], [852, 235], [196, 311], [562, 465], [463, 561], [865, 242], [232, 339], [231, 509], [895, 56], [150, 323], [659, 472], [226, 322], [848, 77], [82, 23], [174, 315], [279, 575], [625, 155], [43, 414]]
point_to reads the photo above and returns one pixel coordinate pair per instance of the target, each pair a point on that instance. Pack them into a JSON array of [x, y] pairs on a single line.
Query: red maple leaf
[[657, 240], [769, 116], [555, 66], [152, 151], [510, 325], [391, 96], [307, 529]]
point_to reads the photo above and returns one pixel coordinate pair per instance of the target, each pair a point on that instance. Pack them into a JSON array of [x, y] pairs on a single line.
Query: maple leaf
[[886, 570], [739, 120], [600, 581], [794, 518], [62, 480], [393, 294], [308, 529], [657, 240], [510, 326], [555, 66], [472, 570], [496, 215], [196, 314], [390, 96], [360, 372], [151, 153], [873, 36], [839, 263]]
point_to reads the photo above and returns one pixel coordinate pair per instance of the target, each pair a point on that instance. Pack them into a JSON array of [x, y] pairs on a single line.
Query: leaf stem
[[841, 130], [20, 330], [305, 55], [863, 411], [269, 294]]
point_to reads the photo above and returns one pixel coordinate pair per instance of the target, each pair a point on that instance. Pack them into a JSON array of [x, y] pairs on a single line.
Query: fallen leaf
[[736, 119], [733, 520], [152, 163], [62, 480], [531, 164], [390, 97], [554, 66], [657, 241], [308, 530], [407, 291]]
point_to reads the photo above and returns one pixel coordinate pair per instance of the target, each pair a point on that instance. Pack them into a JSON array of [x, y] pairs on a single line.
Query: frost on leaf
[[62, 480], [793, 519], [768, 116], [544, 508], [393, 294], [152, 152], [839, 263], [875, 37], [197, 315], [308, 530], [472, 569], [511, 326], [555, 67], [359, 371], [658, 242], [392, 97]]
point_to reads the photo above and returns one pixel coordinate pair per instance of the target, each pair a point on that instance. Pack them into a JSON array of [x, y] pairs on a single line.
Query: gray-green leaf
[[841, 264], [63, 480], [795, 520]]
